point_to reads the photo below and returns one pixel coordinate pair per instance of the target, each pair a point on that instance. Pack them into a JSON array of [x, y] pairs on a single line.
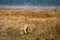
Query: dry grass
[[44, 24]]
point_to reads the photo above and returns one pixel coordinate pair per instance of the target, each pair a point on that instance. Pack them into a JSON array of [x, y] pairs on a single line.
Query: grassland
[[44, 24]]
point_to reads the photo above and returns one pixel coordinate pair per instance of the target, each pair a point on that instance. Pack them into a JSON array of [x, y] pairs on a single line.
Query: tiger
[[24, 26]]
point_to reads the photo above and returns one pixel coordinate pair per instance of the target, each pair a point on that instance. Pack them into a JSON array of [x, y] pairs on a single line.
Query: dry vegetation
[[44, 24]]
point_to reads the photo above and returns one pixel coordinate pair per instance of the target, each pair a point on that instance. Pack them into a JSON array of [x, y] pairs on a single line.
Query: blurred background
[[29, 4]]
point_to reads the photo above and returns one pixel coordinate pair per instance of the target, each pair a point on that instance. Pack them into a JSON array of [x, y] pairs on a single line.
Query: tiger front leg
[[22, 31], [25, 30]]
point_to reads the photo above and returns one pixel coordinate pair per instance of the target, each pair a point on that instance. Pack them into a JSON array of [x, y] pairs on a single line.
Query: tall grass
[[43, 24]]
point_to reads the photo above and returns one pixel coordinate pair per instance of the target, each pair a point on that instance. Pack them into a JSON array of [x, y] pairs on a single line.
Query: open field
[[43, 24]]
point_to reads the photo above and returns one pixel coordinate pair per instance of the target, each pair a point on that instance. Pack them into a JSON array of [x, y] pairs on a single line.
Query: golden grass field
[[43, 24]]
